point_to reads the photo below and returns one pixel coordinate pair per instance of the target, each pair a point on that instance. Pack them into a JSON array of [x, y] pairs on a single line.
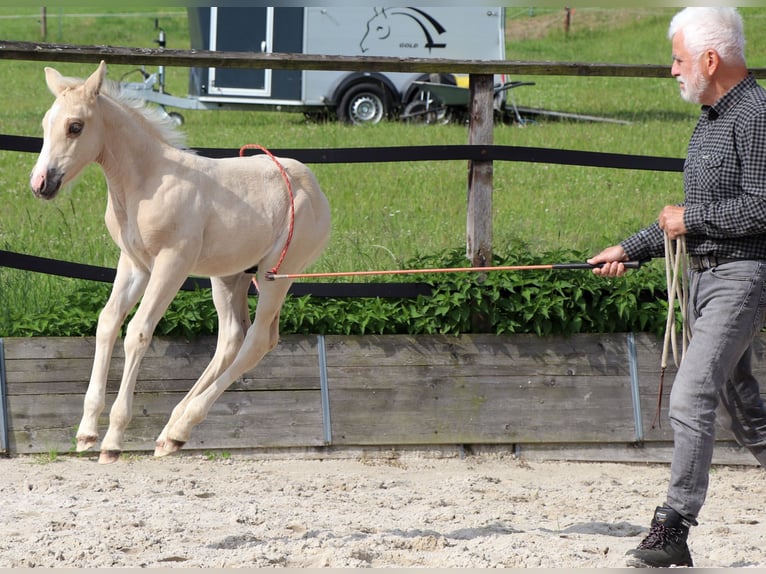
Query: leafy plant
[[547, 302]]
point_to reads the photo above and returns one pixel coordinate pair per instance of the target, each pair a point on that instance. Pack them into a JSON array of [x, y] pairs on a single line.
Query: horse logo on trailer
[[379, 28]]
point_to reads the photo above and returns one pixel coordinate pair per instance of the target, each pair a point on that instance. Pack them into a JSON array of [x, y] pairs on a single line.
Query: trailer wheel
[[363, 104], [422, 111], [176, 118]]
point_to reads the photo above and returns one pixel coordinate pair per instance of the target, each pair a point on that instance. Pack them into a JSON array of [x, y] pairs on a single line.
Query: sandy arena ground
[[402, 511]]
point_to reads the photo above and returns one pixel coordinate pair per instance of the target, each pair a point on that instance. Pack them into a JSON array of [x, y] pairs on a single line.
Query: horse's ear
[[55, 81], [93, 83]]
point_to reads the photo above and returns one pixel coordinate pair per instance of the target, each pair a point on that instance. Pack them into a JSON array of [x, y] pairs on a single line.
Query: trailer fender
[[365, 98]]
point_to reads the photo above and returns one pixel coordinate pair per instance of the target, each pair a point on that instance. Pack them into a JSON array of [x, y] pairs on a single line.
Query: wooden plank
[[476, 411], [56, 52], [478, 389], [649, 352], [649, 356], [726, 453], [524, 355], [64, 364], [275, 405], [270, 371], [236, 420], [383, 390], [84, 347]]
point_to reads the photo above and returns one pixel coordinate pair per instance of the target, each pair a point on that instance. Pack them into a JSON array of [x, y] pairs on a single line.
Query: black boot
[[665, 545]]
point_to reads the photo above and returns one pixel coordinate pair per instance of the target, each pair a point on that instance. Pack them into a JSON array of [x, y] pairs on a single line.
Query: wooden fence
[[585, 397], [588, 397], [480, 129]]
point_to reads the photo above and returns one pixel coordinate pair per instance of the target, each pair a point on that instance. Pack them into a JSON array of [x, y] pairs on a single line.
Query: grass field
[[383, 214]]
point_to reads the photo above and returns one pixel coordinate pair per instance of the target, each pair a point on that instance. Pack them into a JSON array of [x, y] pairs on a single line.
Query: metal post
[[324, 390], [634, 388], [4, 445]]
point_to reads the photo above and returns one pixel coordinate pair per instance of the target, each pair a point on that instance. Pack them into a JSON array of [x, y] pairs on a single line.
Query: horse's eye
[[74, 129]]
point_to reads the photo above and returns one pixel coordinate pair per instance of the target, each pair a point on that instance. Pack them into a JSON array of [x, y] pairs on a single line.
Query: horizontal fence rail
[[74, 270], [423, 153], [347, 155], [51, 52]]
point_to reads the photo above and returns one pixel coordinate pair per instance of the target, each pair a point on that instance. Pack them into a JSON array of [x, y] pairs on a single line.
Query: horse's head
[[71, 134], [378, 29]]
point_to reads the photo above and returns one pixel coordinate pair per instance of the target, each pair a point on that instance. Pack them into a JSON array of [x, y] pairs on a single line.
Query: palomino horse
[[173, 214]]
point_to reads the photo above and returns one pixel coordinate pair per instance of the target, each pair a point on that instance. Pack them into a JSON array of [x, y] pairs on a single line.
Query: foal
[[174, 214]]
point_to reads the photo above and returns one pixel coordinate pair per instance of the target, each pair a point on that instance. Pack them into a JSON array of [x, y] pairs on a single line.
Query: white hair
[[166, 129], [717, 28]]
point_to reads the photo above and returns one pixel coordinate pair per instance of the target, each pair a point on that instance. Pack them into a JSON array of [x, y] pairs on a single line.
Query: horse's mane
[[156, 120], [163, 125]]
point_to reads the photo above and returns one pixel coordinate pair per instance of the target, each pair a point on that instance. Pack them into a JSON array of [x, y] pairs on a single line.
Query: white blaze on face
[[41, 167]]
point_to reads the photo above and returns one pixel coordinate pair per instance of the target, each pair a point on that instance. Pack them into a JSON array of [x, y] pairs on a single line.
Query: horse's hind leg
[[261, 338], [230, 300], [129, 284]]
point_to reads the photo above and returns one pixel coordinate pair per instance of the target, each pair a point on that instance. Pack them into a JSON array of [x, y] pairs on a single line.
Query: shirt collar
[[730, 98]]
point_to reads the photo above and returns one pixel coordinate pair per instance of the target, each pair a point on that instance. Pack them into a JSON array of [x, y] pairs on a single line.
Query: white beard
[[693, 87]]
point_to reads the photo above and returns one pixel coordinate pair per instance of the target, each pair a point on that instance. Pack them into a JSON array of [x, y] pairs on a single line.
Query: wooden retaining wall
[[586, 397]]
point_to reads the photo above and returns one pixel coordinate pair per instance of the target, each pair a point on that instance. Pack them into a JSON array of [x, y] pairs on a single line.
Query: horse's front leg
[[169, 271], [128, 286]]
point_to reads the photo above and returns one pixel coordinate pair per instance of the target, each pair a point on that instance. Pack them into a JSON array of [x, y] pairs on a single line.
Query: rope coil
[[677, 278]]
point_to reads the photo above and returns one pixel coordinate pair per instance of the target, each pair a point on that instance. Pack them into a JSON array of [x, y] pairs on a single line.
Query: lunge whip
[[550, 266]]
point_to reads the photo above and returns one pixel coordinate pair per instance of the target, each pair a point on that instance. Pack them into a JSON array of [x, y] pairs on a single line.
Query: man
[[723, 220]]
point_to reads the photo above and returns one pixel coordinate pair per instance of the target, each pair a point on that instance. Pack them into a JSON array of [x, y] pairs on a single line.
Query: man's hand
[[612, 258], [671, 220]]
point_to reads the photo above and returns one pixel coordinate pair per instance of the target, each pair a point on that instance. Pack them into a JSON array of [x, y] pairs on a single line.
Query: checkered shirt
[[724, 181]]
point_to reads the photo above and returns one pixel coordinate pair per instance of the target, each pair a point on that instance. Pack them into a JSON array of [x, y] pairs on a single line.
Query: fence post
[[479, 206], [44, 24]]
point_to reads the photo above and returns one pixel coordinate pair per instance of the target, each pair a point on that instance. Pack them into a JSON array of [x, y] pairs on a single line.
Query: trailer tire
[[364, 104], [176, 118], [426, 112]]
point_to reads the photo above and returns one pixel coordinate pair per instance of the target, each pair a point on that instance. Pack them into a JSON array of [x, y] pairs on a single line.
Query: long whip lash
[[676, 275]]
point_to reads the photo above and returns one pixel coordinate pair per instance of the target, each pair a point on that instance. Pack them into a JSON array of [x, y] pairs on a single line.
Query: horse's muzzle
[[45, 185]]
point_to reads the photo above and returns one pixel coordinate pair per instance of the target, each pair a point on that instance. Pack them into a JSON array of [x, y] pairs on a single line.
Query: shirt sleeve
[[647, 243], [740, 212]]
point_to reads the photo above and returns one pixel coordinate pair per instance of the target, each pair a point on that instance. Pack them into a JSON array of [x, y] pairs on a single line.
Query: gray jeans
[[725, 312]]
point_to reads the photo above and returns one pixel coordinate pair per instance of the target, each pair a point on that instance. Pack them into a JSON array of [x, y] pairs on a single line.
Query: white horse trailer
[[465, 33]]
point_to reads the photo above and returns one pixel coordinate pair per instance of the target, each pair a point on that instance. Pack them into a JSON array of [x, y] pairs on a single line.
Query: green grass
[[383, 214]]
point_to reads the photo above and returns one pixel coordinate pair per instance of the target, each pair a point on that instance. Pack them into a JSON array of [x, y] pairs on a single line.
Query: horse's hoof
[[168, 446], [109, 456], [86, 442]]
